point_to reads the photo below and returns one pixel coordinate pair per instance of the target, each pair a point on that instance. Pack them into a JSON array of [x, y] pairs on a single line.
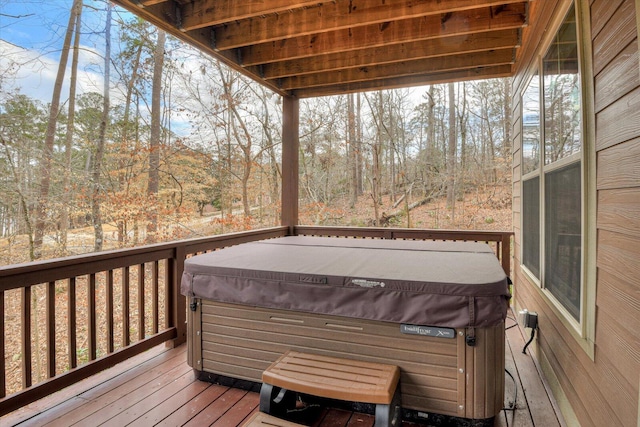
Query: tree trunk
[[66, 191], [506, 91], [96, 195], [359, 154], [154, 140], [124, 148], [431, 140], [352, 156], [23, 202], [47, 151], [376, 186], [462, 120], [451, 150], [392, 152], [247, 158]]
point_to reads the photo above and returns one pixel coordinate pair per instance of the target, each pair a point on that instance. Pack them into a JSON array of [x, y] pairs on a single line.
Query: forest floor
[[486, 208], [483, 208]]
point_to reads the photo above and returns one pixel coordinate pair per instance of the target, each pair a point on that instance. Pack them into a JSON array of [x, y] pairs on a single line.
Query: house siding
[[601, 388]]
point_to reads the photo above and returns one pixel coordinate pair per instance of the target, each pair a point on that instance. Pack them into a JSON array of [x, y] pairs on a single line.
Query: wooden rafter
[[402, 69], [337, 16], [308, 48], [404, 31], [432, 48], [207, 13]]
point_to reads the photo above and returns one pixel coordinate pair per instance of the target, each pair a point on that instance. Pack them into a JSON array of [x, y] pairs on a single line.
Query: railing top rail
[[26, 274], [404, 233]]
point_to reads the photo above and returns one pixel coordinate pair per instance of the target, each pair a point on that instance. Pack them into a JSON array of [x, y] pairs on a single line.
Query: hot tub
[[435, 309]]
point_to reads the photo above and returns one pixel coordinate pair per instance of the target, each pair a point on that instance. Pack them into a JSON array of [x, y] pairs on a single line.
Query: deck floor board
[[159, 388]]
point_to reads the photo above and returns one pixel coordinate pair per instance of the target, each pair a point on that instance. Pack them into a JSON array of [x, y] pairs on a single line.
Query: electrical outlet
[[528, 319]]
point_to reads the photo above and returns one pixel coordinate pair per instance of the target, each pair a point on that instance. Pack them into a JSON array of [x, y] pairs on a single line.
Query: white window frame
[[582, 329]]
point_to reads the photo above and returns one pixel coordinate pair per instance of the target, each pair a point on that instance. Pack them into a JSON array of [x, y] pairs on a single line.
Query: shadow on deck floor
[[159, 388]]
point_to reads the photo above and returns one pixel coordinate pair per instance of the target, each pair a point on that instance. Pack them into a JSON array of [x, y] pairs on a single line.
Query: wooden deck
[[158, 388]]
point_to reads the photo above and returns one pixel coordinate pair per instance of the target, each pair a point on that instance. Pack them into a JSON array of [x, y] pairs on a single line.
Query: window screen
[[531, 225], [563, 227]]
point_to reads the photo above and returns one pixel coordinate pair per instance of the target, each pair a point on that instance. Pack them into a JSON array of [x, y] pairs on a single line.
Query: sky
[[31, 36]]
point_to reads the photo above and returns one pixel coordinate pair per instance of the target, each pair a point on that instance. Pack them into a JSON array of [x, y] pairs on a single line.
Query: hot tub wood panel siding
[[437, 374]]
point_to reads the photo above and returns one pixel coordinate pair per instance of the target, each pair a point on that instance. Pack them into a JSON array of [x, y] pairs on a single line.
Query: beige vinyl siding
[[601, 388]]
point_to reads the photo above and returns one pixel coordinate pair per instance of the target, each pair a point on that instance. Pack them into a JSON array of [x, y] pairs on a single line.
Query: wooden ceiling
[[317, 47]]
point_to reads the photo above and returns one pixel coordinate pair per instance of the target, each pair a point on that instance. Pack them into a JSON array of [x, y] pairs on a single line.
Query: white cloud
[[34, 74]]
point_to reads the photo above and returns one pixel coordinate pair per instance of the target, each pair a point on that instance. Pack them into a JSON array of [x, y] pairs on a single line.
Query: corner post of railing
[[505, 256], [177, 305]]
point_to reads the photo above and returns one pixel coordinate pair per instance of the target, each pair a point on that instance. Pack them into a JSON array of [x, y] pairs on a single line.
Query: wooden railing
[[499, 240], [150, 312], [92, 310]]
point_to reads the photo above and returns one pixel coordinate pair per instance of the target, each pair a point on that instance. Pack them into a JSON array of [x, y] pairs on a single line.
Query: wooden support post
[[175, 301], [290, 161]]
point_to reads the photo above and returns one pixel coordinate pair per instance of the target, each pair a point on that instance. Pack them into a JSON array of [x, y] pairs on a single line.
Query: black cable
[[512, 406], [533, 334], [515, 323]]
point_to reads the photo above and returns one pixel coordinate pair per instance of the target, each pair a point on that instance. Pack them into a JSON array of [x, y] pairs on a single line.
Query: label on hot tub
[[428, 331]]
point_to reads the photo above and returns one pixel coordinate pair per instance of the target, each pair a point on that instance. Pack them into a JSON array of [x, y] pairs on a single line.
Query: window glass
[[563, 227], [562, 93], [531, 225], [551, 188], [531, 126]]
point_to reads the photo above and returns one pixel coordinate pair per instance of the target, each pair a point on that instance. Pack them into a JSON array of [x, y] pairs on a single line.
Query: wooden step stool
[[260, 419], [333, 378]]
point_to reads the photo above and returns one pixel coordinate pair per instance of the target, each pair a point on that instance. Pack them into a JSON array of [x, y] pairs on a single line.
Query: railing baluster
[[155, 268], [26, 337], [91, 312], [168, 272], [27, 279], [141, 274], [125, 307], [50, 313], [109, 309], [71, 322], [3, 372]]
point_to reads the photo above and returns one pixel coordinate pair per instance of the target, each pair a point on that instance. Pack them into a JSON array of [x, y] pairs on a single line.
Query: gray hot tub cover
[[447, 284]]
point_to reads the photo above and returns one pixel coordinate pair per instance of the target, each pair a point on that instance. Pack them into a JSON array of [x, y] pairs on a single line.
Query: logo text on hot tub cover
[[368, 283], [429, 331]]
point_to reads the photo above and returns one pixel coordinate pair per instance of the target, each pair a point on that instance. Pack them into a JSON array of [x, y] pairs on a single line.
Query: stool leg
[[276, 400], [390, 415], [266, 393]]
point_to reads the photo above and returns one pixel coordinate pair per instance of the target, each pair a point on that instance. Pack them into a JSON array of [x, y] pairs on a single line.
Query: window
[[552, 188], [531, 176]]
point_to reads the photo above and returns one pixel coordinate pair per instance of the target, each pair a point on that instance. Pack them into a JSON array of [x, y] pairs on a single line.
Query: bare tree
[[154, 141], [96, 191], [66, 194], [47, 152], [130, 59], [451, 150]]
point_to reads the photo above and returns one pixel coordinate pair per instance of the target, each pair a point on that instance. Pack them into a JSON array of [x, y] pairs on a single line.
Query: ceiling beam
[[340, 15], [458, 23], [400, 69], [206, 13], [145, 3], [407, 81], [163, 16], [468, 43]]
